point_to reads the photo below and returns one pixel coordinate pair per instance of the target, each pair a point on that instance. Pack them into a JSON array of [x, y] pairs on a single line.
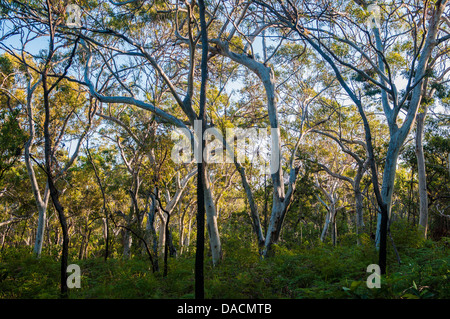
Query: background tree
[[392, 102]]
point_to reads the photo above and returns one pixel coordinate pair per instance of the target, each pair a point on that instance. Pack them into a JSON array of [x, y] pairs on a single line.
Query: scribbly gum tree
[[365, 43], [230, 42], [127, 56], [57, 113], [349, 93]]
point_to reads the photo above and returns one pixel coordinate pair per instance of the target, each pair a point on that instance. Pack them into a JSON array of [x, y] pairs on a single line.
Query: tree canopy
[[200, 138]]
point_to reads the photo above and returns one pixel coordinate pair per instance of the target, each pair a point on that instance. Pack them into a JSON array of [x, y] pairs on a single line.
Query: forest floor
[[310, 272]]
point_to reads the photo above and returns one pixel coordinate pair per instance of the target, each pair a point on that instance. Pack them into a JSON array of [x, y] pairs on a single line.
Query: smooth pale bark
[[172, 202], [359, 202], [279, 209], [42, 218], [133, 168], [330, 217], [333, 223], [325, 226], [185, 234], [181, 227], [41, 202], [125, 99], [212, 220], [128, 239], [256, 223], [127, 242], [281, 199], [359, 205], [266, 75], [356, 181], [387, 190], [151, 231], [398, 135], [162, 234], [423, 195], [211, 223]]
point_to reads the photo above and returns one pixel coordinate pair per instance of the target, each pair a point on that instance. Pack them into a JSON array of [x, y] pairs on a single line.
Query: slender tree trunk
[[266, 199], [4, 236], [188, 236], [65, 235], [106, 233], [54, 193], [80, 252], [127, 241], [280, 203], [275, 223], [211, 222], [411, 188], [162, 236], [359, 214], [386, 196], [201, 169], [256, 223], [359, 204], [166, 245], [105, 211], [181, 229], [423, 196], [334, 229], [325, 226], [200, 243], [42, 220], [150, 227], [41, 203]]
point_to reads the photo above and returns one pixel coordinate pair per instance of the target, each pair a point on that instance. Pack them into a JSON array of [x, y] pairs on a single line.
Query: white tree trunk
[[127, 241], [388, 180], [41, 203], [42, 220], [325, 227], [211, 224], [423, 196], [334, 229], [253, 207]]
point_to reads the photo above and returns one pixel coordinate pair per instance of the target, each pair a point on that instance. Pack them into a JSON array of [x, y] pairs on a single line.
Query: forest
[[223, 149]]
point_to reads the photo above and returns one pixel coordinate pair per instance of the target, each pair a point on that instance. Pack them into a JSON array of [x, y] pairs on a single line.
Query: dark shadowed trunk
[[201, 172], [54, 193]]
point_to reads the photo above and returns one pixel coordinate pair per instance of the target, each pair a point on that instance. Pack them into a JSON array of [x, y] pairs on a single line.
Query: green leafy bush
[[324, 271]]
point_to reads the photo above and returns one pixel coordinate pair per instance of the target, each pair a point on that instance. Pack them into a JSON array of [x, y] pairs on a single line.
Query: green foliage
[[406, 236], [144, 50], [311, 273], [23, 276], [12, 140]]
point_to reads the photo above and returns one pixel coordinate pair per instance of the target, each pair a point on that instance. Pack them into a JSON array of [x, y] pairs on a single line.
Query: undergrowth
[[318, 271]]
